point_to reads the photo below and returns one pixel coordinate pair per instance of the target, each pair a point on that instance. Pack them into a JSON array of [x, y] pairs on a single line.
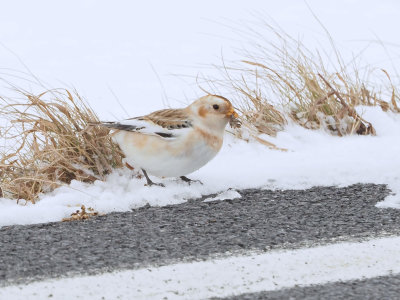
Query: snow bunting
[[175, 142]]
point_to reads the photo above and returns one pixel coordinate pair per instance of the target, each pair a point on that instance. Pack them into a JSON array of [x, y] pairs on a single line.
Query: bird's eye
[[215, 106]]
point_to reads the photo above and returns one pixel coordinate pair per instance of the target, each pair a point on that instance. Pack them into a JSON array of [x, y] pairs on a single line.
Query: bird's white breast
[[168, 157]]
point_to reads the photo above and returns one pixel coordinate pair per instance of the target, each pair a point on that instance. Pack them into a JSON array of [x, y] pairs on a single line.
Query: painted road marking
[[227, 276]]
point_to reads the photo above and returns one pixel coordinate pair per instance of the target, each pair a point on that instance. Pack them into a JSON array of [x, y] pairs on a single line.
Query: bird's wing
[[166, 123]]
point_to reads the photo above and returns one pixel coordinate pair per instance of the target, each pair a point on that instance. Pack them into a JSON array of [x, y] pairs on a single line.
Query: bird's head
[[213, 111]]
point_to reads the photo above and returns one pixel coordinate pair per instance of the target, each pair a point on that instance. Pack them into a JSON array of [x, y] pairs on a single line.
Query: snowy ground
[[313, 158], [104, 50]]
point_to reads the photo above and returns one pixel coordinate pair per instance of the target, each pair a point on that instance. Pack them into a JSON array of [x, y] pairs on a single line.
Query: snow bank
[[313, 158]]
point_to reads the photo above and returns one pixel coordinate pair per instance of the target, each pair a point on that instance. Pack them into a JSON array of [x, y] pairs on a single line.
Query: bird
[[175, 142]]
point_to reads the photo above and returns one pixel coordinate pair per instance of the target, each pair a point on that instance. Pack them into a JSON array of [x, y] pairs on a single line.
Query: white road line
[[229, 276]]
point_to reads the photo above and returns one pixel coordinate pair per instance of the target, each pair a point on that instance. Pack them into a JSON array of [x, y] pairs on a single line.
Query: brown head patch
[[202, 112]]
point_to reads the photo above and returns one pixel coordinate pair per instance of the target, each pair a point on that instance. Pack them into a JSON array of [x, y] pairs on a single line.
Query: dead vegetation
[[280, 80], [49, 143]]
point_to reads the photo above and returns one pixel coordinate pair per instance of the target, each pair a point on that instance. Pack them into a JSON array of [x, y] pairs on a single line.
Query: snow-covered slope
[[313, 158]]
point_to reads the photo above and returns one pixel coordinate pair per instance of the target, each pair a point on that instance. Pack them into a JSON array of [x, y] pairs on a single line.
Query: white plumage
[[175, 142]]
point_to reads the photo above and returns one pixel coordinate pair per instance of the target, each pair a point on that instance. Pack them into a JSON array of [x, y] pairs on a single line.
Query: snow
[[229, 194], [313, 158], [130, 50], [104, 48], [235, 275]]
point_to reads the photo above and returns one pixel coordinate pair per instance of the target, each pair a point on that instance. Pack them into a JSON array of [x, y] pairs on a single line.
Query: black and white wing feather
[[166, 123]]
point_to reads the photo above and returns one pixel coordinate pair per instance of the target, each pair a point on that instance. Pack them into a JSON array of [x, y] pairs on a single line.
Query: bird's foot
[[151, 183], [189, 181]]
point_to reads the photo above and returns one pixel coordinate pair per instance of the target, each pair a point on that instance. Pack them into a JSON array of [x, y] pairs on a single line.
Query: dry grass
[[279, 79], [49, 143]]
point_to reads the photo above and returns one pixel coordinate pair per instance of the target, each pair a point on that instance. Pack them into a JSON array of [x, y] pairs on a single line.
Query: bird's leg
[[149, 182], [188, 180]]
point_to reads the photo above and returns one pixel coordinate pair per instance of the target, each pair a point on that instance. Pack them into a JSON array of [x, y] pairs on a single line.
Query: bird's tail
[[114, 125]]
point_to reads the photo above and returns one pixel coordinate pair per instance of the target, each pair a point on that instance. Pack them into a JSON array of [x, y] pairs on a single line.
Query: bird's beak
[[231, 113]]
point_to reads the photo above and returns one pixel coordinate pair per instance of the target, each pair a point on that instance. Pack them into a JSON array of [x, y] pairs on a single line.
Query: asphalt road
[[385, 287], [196, 230]]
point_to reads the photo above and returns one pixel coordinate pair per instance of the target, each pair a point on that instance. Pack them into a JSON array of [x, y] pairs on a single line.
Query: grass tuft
[[280, 79], [49, 143]]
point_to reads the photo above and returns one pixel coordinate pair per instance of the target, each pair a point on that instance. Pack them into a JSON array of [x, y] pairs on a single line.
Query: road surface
[[259, 223]]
